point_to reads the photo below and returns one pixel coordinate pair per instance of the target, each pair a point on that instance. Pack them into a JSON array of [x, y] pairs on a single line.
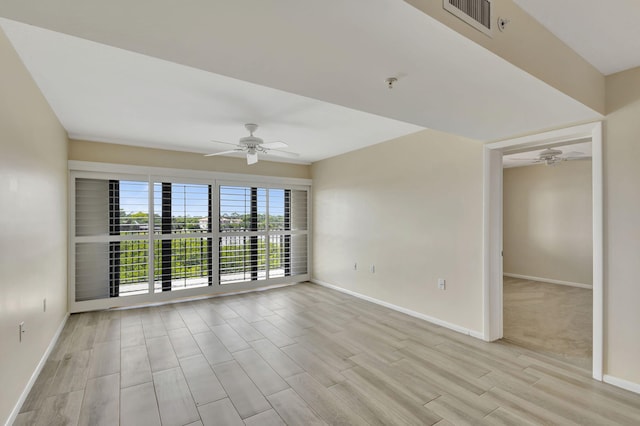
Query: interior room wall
[[412, 207], [125, 154], [622, 226], [33, 226], [547, 221]]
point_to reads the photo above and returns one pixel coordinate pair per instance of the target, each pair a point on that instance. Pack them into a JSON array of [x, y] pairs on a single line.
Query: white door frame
[[492, 186]]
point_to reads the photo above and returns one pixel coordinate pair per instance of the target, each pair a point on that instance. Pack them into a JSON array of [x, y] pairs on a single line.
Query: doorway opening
[[547, 251], [493, 285]]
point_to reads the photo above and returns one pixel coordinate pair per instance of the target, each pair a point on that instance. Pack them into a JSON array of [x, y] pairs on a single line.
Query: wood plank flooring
[[550, 318], [303, 355]]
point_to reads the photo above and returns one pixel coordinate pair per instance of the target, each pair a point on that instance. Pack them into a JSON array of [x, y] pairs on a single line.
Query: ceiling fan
[[253, 145], [552, 156]]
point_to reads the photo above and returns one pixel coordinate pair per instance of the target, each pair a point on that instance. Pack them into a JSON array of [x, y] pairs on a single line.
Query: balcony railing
[[240, 257]]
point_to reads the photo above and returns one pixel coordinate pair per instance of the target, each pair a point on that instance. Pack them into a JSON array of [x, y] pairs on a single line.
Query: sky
[[192, 199]]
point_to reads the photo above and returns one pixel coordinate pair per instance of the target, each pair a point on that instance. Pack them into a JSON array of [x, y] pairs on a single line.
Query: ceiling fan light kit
[[254, 145]]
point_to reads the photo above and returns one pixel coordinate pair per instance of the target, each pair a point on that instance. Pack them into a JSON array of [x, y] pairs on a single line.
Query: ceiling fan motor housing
[[251, 141], [549, 154], [253, 145], [251, 128]]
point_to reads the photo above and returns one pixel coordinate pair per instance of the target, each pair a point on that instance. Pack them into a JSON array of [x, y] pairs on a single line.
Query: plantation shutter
[[110, 238], [183, 236], [263, 233], [146, 236], [299, 232]]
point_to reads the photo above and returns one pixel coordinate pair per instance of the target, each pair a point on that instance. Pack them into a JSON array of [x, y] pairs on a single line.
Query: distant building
[[204, 223]]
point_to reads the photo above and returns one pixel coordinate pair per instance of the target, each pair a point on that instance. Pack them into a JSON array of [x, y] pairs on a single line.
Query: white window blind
[[263, 233], [111, 238]]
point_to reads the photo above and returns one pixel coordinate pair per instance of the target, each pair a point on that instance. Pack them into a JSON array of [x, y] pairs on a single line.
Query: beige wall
[[413, 208], [33, 225], [547, 221], [531, 47], [124, 154], [622, 226]]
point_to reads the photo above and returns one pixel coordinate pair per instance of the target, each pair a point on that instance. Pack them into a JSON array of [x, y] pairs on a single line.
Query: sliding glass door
[[262, 233], [143, 238], [183, 236], [111, 241]]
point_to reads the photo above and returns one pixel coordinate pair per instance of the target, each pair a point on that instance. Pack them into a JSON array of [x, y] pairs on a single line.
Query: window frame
[[152, 175], [267, 232], [162, 179]]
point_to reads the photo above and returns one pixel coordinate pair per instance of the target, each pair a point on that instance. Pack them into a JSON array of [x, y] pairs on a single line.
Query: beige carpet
[[549, 318]]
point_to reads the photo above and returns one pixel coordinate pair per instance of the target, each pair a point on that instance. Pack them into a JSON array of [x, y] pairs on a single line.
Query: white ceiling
[[605, 33], [338, 52], [108, 94], [528, 158]]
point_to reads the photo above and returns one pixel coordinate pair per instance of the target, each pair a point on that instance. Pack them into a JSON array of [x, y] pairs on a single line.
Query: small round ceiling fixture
[[390, 82]]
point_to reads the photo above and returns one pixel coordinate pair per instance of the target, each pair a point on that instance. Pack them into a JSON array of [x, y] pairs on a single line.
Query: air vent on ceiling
[[476, 13]]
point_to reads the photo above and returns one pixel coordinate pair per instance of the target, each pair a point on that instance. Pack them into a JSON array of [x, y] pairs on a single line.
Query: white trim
[[492, 242], [621, 383], [598, 251], [547, 280], [89, 166], [175, 295], [71, 247], [569, 134], [492, 186], [415, 314], [36, 372], [310, 231], [205, 297]]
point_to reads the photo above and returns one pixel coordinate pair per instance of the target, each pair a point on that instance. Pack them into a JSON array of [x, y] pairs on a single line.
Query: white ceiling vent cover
[[476, 13]]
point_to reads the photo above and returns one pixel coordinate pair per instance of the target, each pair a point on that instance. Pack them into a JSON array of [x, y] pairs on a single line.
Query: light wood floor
[[550, 318], [303, 355]]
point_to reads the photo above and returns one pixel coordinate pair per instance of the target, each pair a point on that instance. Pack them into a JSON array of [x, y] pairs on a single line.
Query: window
[[183, 238], [111, 238], [263, 233], [144, 237]]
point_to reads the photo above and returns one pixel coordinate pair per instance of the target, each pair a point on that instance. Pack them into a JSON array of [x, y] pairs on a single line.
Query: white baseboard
[[415, 314], [36, 373], [621, 383], [547, 280], [204, 297]]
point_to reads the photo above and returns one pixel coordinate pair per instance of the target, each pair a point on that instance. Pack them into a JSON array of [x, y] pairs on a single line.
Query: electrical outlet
[[441, 284], [373, 269], [355, 266], [21, 331]]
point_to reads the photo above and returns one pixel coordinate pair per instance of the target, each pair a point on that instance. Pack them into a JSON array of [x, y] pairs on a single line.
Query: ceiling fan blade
[[223, 152], [252, 158], [224, 143], [279, 153], [584, 157], [274, 145], [575, 155]]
